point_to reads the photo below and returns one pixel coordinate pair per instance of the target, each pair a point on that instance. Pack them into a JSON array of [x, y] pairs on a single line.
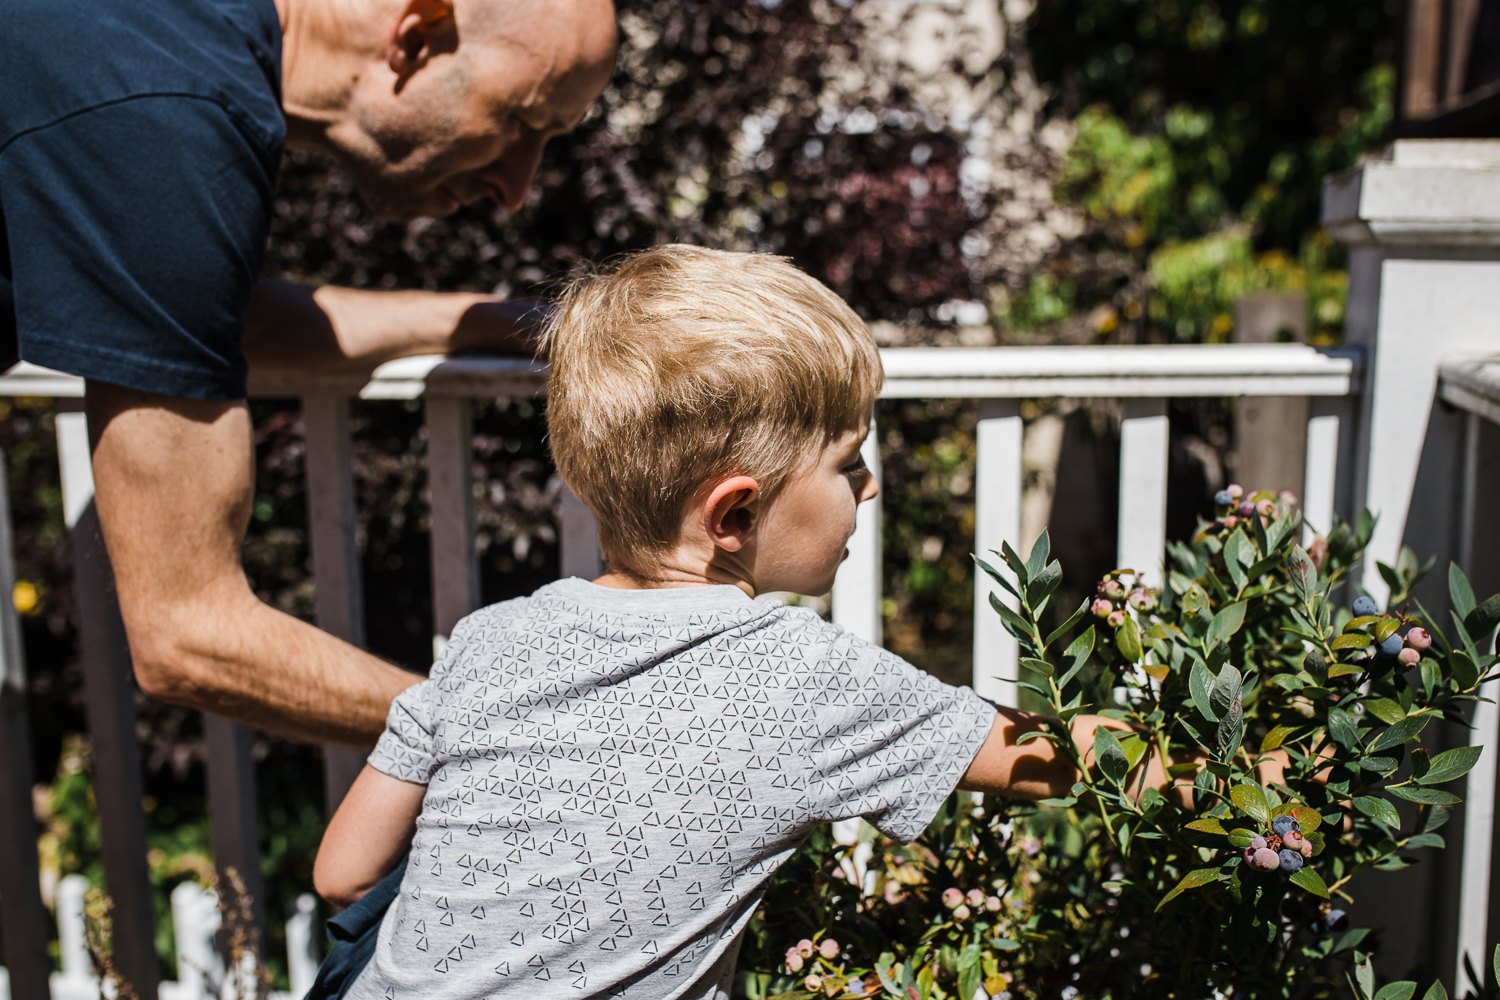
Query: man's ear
[[423, 28], [730, 513]]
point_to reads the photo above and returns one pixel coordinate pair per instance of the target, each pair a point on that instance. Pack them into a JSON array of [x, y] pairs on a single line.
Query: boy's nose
[[871, 490]]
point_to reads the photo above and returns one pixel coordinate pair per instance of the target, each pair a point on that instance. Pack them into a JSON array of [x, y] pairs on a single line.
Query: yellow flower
[[25, 597]]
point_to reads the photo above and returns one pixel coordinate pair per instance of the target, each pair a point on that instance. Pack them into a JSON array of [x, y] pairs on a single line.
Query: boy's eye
[[858, 465]]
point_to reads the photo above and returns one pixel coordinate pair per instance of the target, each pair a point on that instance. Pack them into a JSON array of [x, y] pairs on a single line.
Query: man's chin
[[390, 205]]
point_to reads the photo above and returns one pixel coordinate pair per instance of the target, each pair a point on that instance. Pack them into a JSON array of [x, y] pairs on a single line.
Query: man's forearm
[[330, 330]]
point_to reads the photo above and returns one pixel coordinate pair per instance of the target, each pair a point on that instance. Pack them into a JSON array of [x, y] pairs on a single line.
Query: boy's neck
[[675, 573]]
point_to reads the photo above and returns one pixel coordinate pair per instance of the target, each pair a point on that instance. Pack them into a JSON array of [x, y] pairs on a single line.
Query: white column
[[997, 518], [1143, 488], [1320, 480], [856, 591], [450, 460], [302, 945], [579, 538], [195, 921]]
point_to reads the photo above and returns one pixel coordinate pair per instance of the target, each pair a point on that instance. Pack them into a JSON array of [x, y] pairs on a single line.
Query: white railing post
[[195, 921], [997, 518], [22, 918], [72, 950], [302, 945], [450, 481], [856, 590], [578, 538], [109, 695], [1144, 436], [1320, 480], [339, 593]]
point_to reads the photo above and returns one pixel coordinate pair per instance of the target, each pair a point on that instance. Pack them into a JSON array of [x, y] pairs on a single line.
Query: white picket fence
[[200, 966]]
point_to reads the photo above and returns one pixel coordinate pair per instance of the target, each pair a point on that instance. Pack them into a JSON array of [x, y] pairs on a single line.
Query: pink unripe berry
[[1287, 497], [1101, 608], [1249, 855], [1318, 551], [1306, 848], [805, 948], [992, 903], [1292, 839], [1265, 508], [1419, 638], [1114, 588], [1230, 520], [1141, 601], [1246, 508], [975, 897], [813, 982], [829, 948], [952, 897], [1258, 843], [793, 961], [1116, 619], [1409, 657], [961, 912], [1235, 490], [1265, 859]]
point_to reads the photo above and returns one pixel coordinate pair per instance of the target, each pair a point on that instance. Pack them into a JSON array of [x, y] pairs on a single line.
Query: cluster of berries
[[1111, 596], [965, 905], [1231, 505], [1406, 648], [798, 954], [1284, 847]]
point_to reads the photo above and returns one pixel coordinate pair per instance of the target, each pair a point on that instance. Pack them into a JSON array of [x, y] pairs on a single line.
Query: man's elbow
[[169, 671]]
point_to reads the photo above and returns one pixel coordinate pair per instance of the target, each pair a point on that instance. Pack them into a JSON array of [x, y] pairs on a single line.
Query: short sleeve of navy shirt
[[139, 145]]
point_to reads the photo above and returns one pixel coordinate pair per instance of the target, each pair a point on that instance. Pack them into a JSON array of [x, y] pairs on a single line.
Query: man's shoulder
[[224, 51]]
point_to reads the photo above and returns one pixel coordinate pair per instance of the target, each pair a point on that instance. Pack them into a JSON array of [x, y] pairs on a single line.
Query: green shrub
[[1241, 667]]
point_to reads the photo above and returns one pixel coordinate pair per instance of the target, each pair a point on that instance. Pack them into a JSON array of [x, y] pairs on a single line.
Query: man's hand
[[327, 330], [173, 482]]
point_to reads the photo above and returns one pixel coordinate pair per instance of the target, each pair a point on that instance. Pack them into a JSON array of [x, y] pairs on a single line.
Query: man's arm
[[366, 837], [330, 330], [1035, 770], [174, 481]]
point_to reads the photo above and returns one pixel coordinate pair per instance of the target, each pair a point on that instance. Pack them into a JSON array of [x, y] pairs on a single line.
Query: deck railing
[[1144, 377]]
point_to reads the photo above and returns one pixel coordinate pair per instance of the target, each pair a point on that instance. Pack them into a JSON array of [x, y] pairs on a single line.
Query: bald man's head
[[453, 100]]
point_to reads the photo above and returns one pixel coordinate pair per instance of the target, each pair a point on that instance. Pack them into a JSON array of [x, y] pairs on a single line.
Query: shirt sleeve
[[892, 741], [406, 749], [136, 233]]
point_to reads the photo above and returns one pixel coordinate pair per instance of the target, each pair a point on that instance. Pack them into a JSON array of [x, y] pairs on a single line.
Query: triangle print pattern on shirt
[[613, 776]]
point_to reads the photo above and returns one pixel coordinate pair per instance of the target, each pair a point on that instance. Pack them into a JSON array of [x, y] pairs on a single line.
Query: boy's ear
[[729, 514]]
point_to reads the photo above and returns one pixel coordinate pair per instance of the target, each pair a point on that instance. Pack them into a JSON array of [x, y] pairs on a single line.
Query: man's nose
[[510, 176]]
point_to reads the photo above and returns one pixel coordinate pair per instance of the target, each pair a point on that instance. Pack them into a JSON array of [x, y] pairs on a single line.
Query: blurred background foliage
[[1070, 172]]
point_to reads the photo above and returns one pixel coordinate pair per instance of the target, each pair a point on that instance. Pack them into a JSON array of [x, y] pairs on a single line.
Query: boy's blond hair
[[682, 366]]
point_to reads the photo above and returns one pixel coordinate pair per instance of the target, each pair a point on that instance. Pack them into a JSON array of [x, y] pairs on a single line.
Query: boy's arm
[[1034, 769], [367, 836]]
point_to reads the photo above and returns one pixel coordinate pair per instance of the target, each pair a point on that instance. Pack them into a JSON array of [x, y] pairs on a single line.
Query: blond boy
[[597, 781]]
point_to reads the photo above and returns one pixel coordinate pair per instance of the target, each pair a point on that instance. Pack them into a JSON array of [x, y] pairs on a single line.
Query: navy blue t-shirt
[[139, 145]]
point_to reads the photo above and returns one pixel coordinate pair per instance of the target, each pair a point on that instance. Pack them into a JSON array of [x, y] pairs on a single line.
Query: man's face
[[471, 122]]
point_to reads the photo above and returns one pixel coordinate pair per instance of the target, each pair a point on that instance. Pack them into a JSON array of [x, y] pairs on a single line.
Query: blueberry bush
[[1294, 728]]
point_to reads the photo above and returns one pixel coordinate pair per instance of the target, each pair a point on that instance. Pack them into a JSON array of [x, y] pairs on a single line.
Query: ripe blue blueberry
[[1282, 824], [1337, 920], [1392, 645], [1291, 861], [1223, 498], [1365, 606]]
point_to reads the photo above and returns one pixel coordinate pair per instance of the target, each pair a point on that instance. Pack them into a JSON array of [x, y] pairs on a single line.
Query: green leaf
[[1079, 649], [1231, 730], [1402, 990], [1275, 738], [1206, 825], [1385, 628], [1304, 575], [1234, 559], [994, 574], [1310, 880], [1484, 618], [1385, 710], [1241, 837], [1350, 640], [1451, 764], [1401, 732], [1435, 991], [1308, 818], [1315, 665], [1378, 809], [1014, 623], [1044, 583], [1419, 840], [1200, 684], [1068, 625], [1463, 669], [1128, 640], [1005, 944], [1460, 593], [1023, 576], [1226, 690], [1426, 796], [1224, 624], [1192, 880], [1037, 561], [1341, 729], [969, 970], [1195, 600], [1110, 755], [1040, 666], [1252, 802], [1351, 937], [1365, 973]]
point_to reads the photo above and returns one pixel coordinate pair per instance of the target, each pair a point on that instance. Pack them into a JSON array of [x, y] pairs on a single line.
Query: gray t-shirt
[[613, 776]]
